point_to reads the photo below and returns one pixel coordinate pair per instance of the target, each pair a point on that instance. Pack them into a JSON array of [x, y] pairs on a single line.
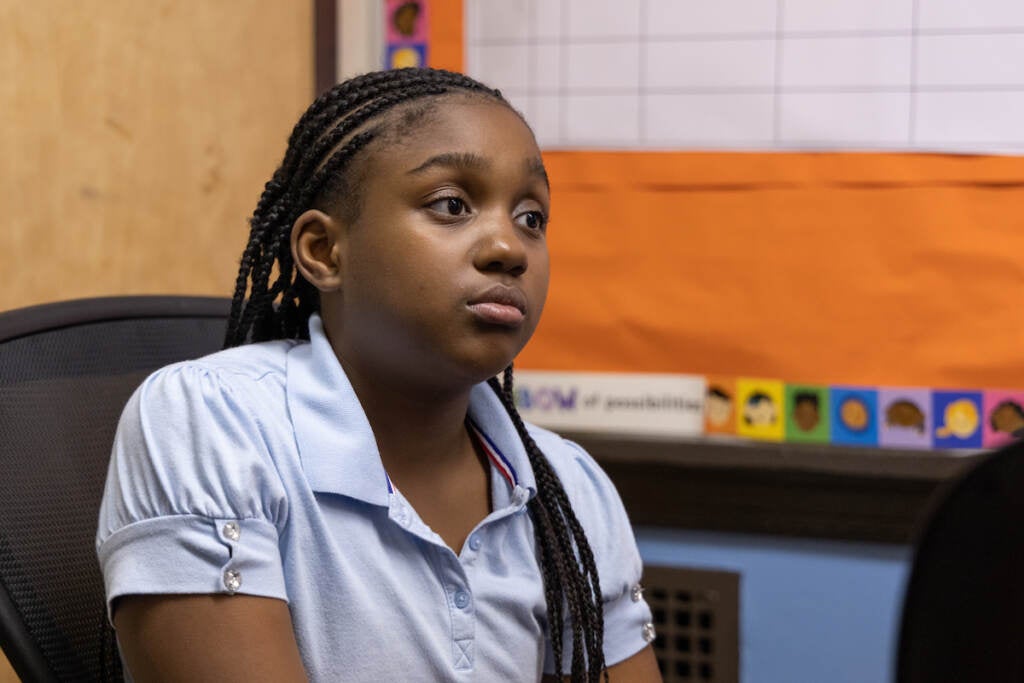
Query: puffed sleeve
[[599, 508], [193, 502]]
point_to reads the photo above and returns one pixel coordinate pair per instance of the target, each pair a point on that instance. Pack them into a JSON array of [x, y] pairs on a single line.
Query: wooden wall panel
[[136, 138]]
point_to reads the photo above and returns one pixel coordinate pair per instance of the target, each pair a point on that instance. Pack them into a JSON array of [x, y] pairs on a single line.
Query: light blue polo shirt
[[255, 471]]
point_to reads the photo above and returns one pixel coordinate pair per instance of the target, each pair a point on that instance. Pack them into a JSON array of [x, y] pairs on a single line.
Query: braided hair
[[318, 172]]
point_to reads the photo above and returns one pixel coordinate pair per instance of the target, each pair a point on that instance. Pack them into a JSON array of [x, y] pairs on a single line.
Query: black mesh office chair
[[963, 614], [66, 371]]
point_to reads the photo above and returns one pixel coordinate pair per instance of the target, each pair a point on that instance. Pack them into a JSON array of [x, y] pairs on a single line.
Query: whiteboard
[[888, 75]]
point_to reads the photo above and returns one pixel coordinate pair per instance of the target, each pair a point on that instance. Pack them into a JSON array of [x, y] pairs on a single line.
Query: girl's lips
[[500, 305], [497, 314]]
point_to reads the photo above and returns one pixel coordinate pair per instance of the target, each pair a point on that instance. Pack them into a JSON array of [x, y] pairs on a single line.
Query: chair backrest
[[963, 614], [66, 371]]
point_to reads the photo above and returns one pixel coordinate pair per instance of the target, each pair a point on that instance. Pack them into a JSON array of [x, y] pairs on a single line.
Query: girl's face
[[444, 272]]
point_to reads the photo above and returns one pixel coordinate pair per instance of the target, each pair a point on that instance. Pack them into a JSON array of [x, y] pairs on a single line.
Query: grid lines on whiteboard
[[924, 75]]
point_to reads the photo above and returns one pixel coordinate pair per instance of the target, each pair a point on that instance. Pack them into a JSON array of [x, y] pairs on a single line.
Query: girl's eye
[[533, 220], [449, 206]]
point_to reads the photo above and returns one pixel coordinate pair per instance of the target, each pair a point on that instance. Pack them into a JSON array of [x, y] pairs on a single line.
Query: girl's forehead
[[456, 121], [459, 116]]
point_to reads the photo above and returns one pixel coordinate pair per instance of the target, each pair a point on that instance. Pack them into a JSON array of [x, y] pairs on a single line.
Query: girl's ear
[[317, 248]]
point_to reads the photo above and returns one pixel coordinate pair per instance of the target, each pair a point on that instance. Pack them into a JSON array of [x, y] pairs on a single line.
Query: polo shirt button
[[232, 531], [475, 542], [461, 599], [648, 632], [232, 580]]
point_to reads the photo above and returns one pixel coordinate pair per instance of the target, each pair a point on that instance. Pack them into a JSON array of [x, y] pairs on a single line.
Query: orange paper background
[[446, 34]]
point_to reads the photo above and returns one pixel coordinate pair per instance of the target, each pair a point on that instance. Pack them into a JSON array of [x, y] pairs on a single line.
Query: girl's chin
[[485, 369]]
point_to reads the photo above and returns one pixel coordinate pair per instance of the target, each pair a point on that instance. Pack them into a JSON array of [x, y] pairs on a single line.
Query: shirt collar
[[488, 415], [336, 445]]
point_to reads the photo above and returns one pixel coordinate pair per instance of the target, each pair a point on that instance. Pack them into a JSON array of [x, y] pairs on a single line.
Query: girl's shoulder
[[599, 509], [249, 360], [227, 369], [250, 377], [588, 486], [561, 452]]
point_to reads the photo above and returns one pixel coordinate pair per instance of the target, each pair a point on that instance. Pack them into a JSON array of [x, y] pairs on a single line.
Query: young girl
[[348, 493]]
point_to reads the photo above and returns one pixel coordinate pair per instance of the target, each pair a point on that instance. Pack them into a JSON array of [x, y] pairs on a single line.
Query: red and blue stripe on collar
[[494, 455]]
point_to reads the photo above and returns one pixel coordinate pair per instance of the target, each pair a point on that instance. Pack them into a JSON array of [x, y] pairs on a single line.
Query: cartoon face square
[[957, 416], [854, 416], [1004, 415], [402, 56], [407, 21], [905, 418], [807, 413], [720, 406], [759, 409]]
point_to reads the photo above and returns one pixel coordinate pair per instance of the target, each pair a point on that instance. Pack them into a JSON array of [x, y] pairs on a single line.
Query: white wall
[[360, 37]]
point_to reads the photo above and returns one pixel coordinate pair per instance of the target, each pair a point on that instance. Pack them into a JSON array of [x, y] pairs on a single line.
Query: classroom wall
[[810, 610], [137, 137]]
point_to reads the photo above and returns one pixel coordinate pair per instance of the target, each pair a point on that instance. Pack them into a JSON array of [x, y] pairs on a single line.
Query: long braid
[[573, 597], [318, 169], [580, 581], [586, 554]]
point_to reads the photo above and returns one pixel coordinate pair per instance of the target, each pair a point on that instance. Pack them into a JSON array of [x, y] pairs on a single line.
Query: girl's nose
[[500, 248]]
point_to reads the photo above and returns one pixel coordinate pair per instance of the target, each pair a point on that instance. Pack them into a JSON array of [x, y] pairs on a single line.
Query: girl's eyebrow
[[469, 161], [535, 166], [457, 160]]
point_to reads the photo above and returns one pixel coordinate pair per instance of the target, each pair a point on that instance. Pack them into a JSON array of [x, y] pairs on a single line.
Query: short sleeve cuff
[[192, 554], [627, 627], [627, 630]]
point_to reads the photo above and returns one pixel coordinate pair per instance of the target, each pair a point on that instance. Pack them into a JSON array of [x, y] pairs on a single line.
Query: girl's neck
[[413, 430], [417, 429], [427, 451]]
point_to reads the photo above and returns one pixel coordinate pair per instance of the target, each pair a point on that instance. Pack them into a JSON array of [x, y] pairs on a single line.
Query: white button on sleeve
[[231, 531], [232, 580]]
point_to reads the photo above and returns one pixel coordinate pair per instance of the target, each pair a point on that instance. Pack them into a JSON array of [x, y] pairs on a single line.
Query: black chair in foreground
[[66, 371], [963, 614]]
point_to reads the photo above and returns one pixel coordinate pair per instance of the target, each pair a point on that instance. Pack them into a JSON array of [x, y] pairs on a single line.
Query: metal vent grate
[[696, 614]]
